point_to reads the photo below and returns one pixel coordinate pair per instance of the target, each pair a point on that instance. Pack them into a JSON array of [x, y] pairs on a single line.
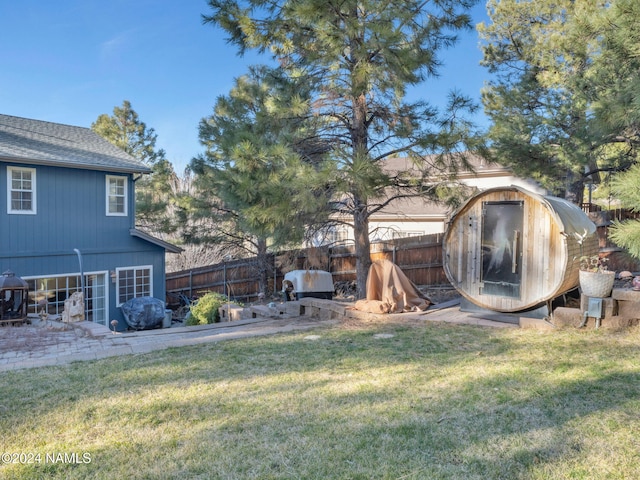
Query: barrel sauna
[[509, 250]]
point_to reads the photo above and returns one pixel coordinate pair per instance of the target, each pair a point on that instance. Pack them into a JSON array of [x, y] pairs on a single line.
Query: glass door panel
[[502, 248]]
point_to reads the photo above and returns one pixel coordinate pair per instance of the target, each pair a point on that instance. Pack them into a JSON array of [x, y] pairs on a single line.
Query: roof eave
[[169, 247], [81, 166]]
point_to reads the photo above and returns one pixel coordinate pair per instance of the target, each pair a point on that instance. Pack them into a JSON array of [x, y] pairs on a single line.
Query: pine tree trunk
[[575, 192], [360, 140], [263, 266], [363, 251], [574, 188]]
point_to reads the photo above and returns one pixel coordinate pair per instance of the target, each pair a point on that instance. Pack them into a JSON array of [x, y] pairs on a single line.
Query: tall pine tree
[[154, 192], [550, 98], [359, 57], [617, 107], [258, 177]]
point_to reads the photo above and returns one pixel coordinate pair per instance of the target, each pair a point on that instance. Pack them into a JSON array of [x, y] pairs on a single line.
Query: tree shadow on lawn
[[438, 437]]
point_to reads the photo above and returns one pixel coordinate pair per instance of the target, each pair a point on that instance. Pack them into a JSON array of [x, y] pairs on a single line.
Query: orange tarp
[[390, 291]]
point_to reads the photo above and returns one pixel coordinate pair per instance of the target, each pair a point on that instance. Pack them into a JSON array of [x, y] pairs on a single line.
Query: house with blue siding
[[67, 219]]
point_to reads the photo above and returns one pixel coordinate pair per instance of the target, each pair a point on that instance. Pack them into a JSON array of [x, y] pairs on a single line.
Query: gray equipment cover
[[143, 313]]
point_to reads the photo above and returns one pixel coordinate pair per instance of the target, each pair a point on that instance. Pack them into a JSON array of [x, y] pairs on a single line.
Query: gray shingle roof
[[23, 140]]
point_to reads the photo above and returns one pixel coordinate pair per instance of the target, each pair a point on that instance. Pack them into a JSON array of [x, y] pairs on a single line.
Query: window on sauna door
[[502, 223], [133, 283], [21, 190], [116, 195]]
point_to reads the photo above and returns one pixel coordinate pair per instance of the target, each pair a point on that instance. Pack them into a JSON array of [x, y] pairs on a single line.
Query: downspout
[[81, 270], [132, 199]]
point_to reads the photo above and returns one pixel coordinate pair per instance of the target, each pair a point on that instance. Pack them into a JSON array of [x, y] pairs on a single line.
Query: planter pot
[[597, 284]]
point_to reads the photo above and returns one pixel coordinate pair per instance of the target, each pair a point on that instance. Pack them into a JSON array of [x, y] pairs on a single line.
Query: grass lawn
[[420, 401]]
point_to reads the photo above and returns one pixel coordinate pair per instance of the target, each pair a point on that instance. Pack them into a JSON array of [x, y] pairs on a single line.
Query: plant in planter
[[595, 278], [594, 263]]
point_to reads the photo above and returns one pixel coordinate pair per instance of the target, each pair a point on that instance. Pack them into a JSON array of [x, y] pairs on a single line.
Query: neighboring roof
[[480, 166], [420, 209], [23, 140], [413, 208], [169, 247]]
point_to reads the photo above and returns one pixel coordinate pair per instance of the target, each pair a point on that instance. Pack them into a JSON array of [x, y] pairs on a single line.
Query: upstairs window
[[21, 190], [116, 195]]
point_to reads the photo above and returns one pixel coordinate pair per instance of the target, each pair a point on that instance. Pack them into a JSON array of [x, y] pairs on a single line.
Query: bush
[[205, 311]]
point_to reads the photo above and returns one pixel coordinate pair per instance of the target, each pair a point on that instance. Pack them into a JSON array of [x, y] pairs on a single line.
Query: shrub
[[206, 309]]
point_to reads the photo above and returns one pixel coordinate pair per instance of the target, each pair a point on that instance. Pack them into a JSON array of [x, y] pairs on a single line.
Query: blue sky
[[68, 61]]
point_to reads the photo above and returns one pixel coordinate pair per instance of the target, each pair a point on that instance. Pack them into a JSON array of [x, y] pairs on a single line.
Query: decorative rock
[[73, 308]]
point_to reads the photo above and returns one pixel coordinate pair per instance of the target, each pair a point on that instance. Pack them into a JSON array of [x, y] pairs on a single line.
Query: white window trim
[[134, 268], [34, 205], [103, 273], [108, 179]]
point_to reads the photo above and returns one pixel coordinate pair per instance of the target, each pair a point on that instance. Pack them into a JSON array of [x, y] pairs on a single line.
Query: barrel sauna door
[[502, 248]]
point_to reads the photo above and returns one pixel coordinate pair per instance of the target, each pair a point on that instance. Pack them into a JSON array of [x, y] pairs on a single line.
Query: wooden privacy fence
[[420, 258], [618, 258]]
